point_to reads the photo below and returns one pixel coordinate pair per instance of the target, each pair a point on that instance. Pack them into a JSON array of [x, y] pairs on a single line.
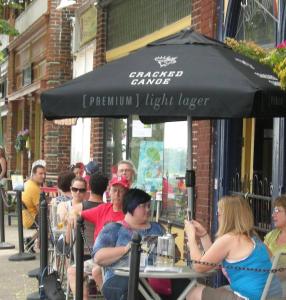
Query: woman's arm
[[206, 241], [215, 253], [107, 256], [3, 164]]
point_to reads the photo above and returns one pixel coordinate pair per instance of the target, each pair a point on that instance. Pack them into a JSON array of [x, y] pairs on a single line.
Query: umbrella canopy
[[184, 74]]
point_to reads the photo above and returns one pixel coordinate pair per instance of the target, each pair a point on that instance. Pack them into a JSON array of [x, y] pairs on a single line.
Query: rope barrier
[[220, 266]]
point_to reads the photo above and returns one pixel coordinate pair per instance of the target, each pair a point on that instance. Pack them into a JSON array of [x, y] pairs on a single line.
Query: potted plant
[[21, 140]]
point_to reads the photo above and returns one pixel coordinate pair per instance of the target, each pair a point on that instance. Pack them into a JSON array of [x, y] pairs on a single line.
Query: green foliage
[[274, 58], [6, 28], [247, 48]]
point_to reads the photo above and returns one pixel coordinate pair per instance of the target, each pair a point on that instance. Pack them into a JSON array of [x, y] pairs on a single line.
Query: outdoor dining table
[[177, 272]]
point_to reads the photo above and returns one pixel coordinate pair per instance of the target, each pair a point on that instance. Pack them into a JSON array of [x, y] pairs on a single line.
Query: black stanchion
[[21, 255], [135, 263], [79, 260], [43, 247], [3, 244]]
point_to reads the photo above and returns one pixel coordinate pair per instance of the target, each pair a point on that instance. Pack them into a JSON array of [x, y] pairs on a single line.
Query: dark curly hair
[[64, 180]]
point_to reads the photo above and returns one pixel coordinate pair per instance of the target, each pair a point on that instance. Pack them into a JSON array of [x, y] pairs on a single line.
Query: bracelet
[[204, 235]]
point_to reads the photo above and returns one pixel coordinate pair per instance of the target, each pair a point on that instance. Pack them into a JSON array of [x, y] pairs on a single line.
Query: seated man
[[31, 195], [112, 245]]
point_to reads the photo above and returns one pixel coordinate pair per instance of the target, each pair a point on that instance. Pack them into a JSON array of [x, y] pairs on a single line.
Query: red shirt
[[101, 215]]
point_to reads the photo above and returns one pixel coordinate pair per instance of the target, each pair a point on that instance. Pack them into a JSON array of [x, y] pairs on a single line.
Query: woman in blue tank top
[[237, 247]]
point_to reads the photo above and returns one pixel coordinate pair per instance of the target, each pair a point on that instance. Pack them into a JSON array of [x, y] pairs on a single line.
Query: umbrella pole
[[190, 173]]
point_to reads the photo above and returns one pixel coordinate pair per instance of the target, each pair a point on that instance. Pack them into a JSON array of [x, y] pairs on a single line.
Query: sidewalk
[[15, 283]]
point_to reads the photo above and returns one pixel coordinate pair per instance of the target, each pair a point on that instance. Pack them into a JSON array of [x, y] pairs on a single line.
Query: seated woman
[[78, 193], [112, 245], [275, 240], [236, 246]]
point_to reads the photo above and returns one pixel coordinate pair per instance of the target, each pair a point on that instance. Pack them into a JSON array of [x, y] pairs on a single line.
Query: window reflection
[[255, 24], [159, 153]]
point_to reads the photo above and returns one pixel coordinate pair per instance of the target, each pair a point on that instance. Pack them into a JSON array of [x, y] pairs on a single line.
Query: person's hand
[[72, 219], [190, 230], [200, 230]]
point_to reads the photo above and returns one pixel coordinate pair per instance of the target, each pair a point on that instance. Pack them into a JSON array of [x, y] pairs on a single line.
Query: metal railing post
[[133, 280], [21, 255], [3, 244], [79, 259]]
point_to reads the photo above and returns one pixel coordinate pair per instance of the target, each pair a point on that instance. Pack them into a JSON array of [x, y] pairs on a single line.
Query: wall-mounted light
[[65, 3]]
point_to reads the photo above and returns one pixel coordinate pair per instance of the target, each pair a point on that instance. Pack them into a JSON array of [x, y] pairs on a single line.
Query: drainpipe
[[219, 135], [279, 128], [220, 20]]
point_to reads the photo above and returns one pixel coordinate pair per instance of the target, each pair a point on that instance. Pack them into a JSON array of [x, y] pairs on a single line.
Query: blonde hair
[[236, 216], [280, 201]]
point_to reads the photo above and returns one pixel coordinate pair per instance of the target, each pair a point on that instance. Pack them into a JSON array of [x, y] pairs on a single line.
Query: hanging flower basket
[[274, 58], [21, 140]]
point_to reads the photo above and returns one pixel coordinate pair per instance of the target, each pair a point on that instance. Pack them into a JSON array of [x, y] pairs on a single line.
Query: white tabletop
[[182, 272]]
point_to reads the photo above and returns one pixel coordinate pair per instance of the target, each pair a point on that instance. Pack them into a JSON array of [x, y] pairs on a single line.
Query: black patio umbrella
[[186, 75]]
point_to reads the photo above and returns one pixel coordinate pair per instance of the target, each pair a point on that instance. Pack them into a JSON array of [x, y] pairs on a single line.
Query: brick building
[[39, 58], [55, 46]]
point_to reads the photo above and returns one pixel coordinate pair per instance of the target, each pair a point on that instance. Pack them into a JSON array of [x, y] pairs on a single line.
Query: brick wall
[[203, 20], [57, 139], [97, 124]]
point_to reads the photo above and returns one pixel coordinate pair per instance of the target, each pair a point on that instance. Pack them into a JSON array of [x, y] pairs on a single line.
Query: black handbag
[[52, 287]]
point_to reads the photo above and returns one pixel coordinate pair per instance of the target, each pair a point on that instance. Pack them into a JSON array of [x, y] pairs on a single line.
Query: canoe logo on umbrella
[[165, 61]]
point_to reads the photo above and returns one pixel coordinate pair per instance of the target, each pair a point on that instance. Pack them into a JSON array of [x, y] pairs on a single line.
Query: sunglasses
[[74, 189]]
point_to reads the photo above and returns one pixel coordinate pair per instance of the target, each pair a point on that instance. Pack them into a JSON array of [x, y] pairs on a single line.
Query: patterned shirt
[[116, 235]]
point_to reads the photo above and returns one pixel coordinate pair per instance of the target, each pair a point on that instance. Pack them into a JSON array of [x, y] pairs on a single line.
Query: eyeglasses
[[145, 205], [124, 170], [74, 189], [276, 210]]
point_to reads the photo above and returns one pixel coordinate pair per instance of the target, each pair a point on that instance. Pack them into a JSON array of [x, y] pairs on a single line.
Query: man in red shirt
[[108, 212]]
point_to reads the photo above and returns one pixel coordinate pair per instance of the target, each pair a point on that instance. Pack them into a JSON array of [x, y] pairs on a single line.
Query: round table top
[[165, 272]]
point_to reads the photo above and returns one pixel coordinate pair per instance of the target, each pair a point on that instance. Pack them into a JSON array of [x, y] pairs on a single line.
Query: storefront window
[[256, 24], [80, 141], [159, 153]]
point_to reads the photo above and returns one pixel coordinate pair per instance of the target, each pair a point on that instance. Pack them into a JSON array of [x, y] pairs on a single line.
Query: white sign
[[17, 182], [141, 130]]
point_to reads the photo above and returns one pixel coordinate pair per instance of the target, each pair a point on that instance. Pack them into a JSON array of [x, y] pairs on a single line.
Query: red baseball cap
[[120, 180]]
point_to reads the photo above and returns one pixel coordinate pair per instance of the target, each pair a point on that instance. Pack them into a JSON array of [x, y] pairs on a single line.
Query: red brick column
[[56, 147], [99, 58], [203, 20], [57, 139]]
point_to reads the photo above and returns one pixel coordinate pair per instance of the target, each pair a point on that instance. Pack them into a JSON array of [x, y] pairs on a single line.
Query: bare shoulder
[[226, 238]]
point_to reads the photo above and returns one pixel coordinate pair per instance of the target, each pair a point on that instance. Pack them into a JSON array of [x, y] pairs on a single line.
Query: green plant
[[274, 58], [21, 139]]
